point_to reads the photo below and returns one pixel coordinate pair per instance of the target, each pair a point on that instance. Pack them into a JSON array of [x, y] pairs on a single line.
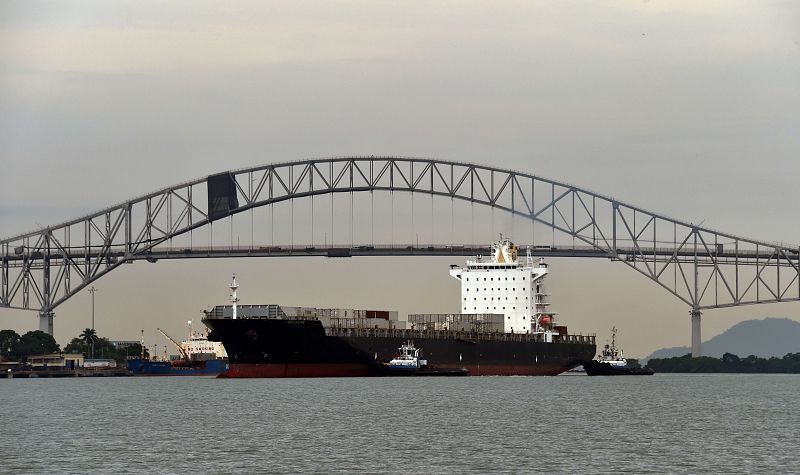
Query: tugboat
[[612, 363], [407, 362]]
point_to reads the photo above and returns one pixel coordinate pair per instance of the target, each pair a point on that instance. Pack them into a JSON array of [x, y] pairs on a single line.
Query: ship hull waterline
[[274, 348]]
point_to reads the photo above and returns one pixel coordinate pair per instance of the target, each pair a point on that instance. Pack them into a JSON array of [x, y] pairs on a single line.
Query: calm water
[[664, 423]]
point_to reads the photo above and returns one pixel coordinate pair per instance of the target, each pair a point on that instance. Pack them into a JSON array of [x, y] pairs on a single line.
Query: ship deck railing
[[454, 335]]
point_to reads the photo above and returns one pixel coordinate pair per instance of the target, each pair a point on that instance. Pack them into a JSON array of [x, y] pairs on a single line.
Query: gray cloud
[[688, 109]]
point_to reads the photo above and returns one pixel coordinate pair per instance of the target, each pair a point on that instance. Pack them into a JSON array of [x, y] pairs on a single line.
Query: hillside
[[764, 338]]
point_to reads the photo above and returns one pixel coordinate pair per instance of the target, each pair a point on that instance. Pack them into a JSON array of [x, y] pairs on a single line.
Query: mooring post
[[696, 340], [46, 322]]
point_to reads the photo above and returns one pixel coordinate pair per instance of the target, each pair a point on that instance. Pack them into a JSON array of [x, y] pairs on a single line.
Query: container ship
[[505, 328]]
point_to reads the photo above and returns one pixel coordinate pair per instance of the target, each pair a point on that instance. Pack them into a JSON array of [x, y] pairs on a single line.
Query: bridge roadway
[[687, 255]]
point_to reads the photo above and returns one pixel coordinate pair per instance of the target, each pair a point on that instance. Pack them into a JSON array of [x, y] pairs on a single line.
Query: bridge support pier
[[46, 322], [696, 340]]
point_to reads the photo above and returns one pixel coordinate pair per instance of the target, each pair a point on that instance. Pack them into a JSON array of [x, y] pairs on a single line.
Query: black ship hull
[[426, 371], [303, 348], [596, 368]]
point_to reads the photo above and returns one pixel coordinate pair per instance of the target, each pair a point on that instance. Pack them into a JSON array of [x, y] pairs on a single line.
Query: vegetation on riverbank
[[14, 347], [93, 346], [729, 363]]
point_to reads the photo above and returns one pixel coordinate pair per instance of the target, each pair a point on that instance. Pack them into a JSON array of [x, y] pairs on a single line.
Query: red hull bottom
[[501, 370], [362, 370], [297, 371]]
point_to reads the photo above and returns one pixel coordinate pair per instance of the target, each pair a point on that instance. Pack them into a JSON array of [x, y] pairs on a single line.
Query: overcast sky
[[690, 109]]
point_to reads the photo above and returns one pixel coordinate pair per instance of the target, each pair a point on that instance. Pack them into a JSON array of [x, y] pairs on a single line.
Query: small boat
[[407, 362], [612, 363]]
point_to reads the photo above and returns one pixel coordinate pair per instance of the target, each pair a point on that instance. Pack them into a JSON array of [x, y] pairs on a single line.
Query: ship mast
[[234, 297]]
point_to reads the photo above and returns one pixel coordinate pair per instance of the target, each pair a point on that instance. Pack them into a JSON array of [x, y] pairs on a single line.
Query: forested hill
[[765, 338], [729, 363]]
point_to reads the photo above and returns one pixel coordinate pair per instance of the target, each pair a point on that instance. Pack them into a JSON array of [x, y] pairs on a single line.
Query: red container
[[378, 314]]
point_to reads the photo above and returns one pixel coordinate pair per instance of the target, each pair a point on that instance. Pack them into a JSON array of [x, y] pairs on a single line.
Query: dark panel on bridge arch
[[221, 195]]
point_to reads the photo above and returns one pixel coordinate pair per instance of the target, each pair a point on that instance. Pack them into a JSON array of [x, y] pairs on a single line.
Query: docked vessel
[[611, 362], [198, 357], [505, 328]]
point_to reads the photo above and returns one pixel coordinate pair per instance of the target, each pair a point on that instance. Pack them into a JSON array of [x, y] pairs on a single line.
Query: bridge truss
[[703, 268]]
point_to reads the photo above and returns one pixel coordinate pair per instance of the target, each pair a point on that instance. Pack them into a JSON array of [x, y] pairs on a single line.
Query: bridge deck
[[623, 253]]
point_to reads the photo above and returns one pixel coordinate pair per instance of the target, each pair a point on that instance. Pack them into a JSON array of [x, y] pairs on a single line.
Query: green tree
[[89, 336], [103, 348], [9, 340], [36, 343], [77, 345]]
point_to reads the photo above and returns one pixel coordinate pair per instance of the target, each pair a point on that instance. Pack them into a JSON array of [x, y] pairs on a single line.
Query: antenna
[[613, 337]]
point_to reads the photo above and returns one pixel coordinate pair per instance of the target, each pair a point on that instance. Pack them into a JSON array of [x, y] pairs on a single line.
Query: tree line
[[15, 347], [729, 363]]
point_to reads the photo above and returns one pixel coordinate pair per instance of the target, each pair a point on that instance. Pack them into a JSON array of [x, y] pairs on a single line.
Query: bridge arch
[[703, 268]]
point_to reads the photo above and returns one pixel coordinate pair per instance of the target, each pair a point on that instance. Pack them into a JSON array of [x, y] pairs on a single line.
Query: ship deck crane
[[180, 348]]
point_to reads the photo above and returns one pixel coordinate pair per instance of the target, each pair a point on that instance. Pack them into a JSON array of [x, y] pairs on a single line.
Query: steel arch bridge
[[703, 268]]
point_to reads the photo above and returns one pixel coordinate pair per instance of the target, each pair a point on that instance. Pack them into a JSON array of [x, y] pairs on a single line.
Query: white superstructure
[[198, 347], [501, 284], [611, 354], [234, 296]]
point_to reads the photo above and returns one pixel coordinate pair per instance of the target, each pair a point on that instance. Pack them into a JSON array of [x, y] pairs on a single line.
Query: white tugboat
[[407, 358], [611, 362], [407, 362]]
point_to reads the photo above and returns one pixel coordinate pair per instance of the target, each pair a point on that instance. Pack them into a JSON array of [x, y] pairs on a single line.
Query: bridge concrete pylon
[[696, 335]]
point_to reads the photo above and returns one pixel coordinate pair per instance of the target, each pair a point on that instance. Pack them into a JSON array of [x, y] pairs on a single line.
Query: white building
[[501, 284]]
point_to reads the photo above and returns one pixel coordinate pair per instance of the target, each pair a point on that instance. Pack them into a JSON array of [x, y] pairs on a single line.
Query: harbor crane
[[184, 355]]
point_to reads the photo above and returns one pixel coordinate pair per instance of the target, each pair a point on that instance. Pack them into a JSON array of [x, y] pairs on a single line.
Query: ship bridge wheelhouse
[[501, 283]]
